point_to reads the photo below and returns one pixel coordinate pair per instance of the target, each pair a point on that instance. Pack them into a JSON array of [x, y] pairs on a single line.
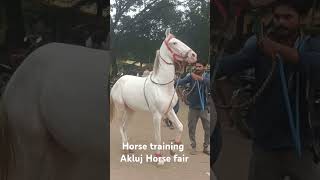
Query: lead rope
[[174, 92], [258, 29], [200, 96], [163, 84], [294, 126]]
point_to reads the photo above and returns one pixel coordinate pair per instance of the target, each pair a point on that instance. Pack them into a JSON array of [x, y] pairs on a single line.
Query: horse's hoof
[[160, 160], [160, 163], [127, 151], [172, 153]]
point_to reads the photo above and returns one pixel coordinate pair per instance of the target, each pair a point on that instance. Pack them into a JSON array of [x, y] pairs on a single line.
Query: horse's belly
[[133, 94]]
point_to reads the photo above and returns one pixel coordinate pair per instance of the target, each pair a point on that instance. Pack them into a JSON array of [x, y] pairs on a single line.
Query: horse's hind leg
[[31, 145], [121, 116], [127, 113], [66, 165], [29, 161], [123, 124]]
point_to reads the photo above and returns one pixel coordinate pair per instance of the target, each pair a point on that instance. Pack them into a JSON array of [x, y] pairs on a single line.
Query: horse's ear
[[167, 32]]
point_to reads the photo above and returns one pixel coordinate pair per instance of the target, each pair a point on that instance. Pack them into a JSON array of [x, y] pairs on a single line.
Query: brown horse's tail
[[6, 146]]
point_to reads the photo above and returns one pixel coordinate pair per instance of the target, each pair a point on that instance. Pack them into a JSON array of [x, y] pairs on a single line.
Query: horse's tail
[[6, 145]]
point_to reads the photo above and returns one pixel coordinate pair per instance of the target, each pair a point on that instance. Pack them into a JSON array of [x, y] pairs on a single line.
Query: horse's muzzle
[[192, 57]]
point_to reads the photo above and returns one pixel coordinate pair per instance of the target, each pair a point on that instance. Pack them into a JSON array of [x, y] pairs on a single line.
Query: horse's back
[[65, 85], [130, 89]]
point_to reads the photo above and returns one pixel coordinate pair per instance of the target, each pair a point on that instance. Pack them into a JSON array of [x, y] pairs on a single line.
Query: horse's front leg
[[157, 132], [179, 126]]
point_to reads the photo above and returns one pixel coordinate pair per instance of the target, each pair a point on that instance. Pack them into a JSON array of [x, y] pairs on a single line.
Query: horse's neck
[[166, 72]]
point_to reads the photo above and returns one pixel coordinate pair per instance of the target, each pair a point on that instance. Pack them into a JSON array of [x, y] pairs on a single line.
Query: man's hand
[[196, 77], [270, 48]]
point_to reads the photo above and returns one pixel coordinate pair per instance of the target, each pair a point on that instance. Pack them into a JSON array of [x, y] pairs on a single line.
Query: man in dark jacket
[[274, 150], [198, 107]]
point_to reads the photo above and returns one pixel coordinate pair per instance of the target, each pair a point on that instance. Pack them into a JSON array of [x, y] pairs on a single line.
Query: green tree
[[138, 27]]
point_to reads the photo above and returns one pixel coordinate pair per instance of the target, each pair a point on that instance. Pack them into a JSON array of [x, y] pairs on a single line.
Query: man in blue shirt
[[274, 154], [198, 107]]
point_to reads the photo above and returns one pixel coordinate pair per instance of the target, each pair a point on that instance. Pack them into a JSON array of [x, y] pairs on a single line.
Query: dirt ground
[[140, 131]]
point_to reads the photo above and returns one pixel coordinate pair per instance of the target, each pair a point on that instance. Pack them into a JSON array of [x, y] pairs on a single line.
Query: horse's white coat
[[57, 108]]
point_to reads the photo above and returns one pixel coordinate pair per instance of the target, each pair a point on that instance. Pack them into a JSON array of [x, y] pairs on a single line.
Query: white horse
[[54, 116], [154, 93]]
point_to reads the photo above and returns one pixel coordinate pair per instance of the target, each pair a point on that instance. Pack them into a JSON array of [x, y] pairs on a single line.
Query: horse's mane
[[156, 62]]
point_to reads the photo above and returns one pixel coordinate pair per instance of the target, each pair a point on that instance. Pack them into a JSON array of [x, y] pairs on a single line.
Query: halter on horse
[[154, 93]]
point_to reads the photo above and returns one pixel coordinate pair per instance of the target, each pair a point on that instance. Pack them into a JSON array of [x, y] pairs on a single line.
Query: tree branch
[[121, 10], [148, 7]]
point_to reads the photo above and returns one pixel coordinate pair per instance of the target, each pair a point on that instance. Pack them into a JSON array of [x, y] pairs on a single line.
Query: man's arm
[[272, 48], [205, 78], [184, 80], [240, 61], [310, 56]]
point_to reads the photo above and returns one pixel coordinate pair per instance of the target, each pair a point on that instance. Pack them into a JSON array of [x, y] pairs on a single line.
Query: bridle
[[177, 57], [174, 54]]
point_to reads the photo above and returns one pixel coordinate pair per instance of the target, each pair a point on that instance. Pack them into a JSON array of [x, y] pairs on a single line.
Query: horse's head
[[177, 50]]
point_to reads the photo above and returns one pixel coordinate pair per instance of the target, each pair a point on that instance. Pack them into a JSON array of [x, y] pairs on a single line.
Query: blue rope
[[177, 83], [300, 48], [294, 130], [200, 96]]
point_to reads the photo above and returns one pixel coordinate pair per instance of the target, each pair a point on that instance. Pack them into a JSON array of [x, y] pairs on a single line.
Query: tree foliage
[[138, 26]]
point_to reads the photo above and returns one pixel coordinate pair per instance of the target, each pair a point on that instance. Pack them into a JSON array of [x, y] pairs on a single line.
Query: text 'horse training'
[[154, 93]]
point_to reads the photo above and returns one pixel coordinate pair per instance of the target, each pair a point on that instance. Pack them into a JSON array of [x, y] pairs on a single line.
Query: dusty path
[[140, 131]]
